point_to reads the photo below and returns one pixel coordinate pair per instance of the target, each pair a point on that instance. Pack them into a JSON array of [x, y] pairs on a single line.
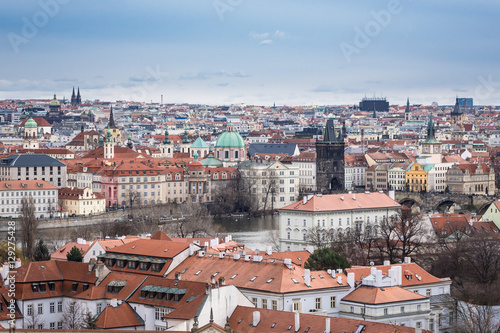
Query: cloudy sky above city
[[254, 52]]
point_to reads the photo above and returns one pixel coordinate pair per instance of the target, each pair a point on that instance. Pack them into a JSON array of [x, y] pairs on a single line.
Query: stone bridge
[[440, 202]]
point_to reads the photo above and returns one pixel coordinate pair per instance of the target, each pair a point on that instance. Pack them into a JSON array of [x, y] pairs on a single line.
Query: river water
[[253, 232]]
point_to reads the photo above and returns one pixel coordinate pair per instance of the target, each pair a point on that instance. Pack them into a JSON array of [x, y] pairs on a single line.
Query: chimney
[[222, 255], [327, 325], [297, 321], [339, 279], [5, 273], [269, 250], [212, 280], [191, 249], [18, 263], [92, 263], [257, 258], [387, 263], [177, 276], [255, 318], [114, 302], [392, 194], [373, 271], [407, 260], [101, 271], [248, 257], [307, 277], [201, 254], [398, 275], [378, 278], [288, 263], [354, 197], [350, 279], [257, 251], [304, 200], [236, 256]]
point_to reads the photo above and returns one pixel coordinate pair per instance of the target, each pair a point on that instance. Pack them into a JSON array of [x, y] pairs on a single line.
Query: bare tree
[[196, 221], [34, 319], [319, 238], [73, 316], [29, 225], [400, 236], [273, 239], [476, 319]]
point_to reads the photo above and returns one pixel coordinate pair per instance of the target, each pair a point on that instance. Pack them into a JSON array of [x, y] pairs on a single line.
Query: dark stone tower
[[330, 160], [457, 115]]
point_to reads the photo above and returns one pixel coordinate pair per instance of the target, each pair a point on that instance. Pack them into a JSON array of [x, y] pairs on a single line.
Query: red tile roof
[[119, 317], [284, 321], [336, 202], [374, 295]]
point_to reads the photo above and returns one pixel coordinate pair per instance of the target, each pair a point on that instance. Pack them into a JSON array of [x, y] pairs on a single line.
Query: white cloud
[[279, 34], [266, 42], [258, 36]]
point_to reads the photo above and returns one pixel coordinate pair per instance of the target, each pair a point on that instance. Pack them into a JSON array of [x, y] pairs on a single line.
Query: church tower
[[457, 115], [167, 150], [330, 160], [30, 135], [431, 147], [109, 146], [407, 110], [185, 144]]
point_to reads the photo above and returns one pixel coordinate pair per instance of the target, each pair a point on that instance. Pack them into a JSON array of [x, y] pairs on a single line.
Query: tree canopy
[[75, 254], [324, 259], [41, 252]]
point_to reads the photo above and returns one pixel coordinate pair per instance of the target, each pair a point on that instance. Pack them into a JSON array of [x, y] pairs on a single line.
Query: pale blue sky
[[252, 51]]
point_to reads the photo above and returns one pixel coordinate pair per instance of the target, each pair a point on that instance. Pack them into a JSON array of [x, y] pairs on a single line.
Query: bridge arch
[[413, 204], [445, 205], [484, 207]]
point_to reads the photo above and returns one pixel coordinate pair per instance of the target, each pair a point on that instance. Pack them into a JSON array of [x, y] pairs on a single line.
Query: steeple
[[111, 123], [109, 146], [407, 110], [185, 139], [456, 109], [78, 97], [167, 138], [73, 96]]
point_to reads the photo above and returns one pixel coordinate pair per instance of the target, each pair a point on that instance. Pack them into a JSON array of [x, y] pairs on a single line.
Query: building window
[[59, 325], [402, 309], [254, 301], [29, 309], [52, 307], [274, 304], [419, 307], [264, 303], [52, 326], [431, 324], [59, 306], [351, 309], [40, 308], [99, 308], [333, 301], [386, 311], [428, 292], [419, 324], [318, 303]]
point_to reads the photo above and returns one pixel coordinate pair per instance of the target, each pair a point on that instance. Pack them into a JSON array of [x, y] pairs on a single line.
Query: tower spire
[[111, 123]]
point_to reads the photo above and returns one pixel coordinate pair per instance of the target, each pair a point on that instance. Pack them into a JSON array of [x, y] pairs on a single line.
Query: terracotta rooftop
[[336, 202], [284, 321], [119, 317], [375, 295]]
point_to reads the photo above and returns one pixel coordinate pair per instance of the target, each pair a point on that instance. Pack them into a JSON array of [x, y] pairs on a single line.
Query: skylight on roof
[[294, 281], [232, 277], [197, 273], [215, 274], [274, 324], [270, 280], [253, 279], [165, 250]]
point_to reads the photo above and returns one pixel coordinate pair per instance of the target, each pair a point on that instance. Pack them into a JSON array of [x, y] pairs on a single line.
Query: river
[[250, 231]]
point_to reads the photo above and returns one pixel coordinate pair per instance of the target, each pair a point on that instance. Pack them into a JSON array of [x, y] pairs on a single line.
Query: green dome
[[30, 123], [211, 161], [55, 102], [230, 138]]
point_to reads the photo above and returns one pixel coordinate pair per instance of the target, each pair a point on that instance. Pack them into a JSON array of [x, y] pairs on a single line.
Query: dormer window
[[34, 287], [52, 286], [42, 287], [74, 287]]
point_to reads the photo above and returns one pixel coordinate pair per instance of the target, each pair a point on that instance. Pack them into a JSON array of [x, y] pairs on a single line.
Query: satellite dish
[[372, 263]]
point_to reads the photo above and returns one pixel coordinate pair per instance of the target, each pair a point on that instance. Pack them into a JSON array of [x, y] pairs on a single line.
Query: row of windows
[[52, 308]]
